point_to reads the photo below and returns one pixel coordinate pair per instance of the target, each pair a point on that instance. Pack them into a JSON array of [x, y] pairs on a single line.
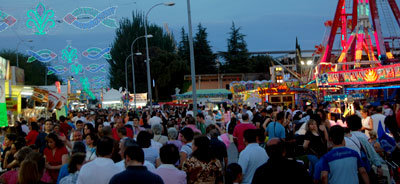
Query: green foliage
[[203, 55], [162, 55], [35, 72], [183, 47], [237, 56], [260, 64]]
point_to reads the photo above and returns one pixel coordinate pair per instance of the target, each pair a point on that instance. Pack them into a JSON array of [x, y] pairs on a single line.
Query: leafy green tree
[[160, 45], [203, 55], [237, 56], [35, 72]]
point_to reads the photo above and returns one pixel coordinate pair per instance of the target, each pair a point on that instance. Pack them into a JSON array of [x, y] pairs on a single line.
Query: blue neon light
[[367, 88]]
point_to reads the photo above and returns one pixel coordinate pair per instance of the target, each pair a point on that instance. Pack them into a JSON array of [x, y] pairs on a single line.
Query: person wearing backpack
[[369, 156]]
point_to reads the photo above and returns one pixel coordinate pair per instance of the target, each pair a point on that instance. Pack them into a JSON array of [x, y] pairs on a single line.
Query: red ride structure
[[363, 46]]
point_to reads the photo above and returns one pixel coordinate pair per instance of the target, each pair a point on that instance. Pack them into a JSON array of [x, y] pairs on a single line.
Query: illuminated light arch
[[94, 68], [95, 53], [69, 54], [56, 70], [76, 69], [40, 19], [96, 18], [6, 21], [44, 55]]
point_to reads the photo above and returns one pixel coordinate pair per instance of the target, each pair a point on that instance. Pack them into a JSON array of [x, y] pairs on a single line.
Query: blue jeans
[[312, 161]]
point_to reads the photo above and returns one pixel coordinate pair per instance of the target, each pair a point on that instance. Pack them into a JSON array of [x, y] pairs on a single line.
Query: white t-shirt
[[98, 171], [189, 112], [155, 120]]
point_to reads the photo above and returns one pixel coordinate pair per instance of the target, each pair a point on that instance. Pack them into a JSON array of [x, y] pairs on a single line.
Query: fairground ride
[[368, 59]]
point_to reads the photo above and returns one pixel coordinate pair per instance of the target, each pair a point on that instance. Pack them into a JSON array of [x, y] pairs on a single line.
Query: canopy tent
[[205, 93]]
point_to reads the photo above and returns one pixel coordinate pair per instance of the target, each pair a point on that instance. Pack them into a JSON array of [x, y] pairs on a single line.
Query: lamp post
[[147, 52], [192, 66], [21, 41], [133, 66]]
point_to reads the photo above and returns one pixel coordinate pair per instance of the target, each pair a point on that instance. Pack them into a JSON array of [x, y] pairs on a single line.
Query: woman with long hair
[[88, 129], [314, 143], [56, 155], [32, 169], [202, 167]]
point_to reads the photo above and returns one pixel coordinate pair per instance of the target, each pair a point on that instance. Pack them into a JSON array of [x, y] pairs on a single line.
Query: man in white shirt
[[250, 113], [155, 119], [252, 157], [101, 169], [378, 117]]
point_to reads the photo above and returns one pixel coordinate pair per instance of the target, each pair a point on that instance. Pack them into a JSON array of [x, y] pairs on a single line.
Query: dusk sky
[[268, 25]]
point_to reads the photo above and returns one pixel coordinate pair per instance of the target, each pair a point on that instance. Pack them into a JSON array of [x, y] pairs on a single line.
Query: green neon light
[[86, 87], [40, 19], [69, 54]]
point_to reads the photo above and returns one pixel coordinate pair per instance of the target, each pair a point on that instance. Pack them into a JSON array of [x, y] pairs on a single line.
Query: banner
[[12, 105], [40, 95], [3, 105], [242, 86], [381, 74]]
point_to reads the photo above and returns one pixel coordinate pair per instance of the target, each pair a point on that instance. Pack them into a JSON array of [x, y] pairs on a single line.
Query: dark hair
[[78, 147], [134, 153], [232, 172], [200, 115], [250, 135], [55, 138], [191, 120], [231, 127], [76, 159], [336, 134], [90, 127], [62, 118], [93, 137], [22, 153], [275, 150], [260, 135], [354, 122], [79, 122], [245, 116], [143, 139], [169, 154], [11, 136], [280, 116], [35, 126], [105, 147], [122, 131], [203, 151], [187, 133]]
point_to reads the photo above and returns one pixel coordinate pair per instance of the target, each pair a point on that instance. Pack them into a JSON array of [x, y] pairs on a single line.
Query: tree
[[261, 64], [35, 73], [237, 56], [204, 57], [159, 45], [183, 47]]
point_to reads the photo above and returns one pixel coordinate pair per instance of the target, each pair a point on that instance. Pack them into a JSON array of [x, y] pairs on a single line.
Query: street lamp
[[309, 62], [192, 66], [147, 51], [133, 67], [21, 41]]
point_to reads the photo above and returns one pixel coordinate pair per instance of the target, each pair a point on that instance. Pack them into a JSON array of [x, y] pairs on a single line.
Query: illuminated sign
[[381, 74]]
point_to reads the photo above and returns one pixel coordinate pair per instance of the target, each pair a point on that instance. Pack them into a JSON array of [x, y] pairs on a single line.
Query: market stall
[[112, 99]]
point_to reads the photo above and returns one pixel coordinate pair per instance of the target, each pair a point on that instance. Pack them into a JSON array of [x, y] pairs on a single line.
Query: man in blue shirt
[[252, 157], [135, 171], [276, 129], [341, 164]]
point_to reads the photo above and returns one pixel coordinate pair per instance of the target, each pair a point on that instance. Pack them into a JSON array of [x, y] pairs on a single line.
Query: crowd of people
[[237, 144]]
